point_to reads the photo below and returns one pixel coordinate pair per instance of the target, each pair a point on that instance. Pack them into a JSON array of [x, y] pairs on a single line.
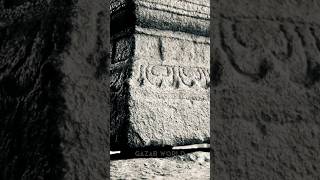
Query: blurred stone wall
[[54, 90], [265, 94]]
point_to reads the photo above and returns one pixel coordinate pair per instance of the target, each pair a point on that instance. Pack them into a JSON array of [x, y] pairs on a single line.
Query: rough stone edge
[[121, 132]]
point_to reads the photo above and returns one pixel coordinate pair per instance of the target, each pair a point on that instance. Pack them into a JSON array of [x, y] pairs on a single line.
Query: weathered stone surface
[[54, 111], [193, 166], [160, 74], [265, 66], [184, 16]]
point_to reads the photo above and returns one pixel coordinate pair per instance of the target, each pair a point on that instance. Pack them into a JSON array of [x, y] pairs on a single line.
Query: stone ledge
[[198, 8], [286, 10], [175, 15]]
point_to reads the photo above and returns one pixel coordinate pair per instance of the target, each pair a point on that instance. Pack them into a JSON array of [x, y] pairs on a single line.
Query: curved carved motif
[[239, 52], [173, 76], [159, 75], [254, 46]]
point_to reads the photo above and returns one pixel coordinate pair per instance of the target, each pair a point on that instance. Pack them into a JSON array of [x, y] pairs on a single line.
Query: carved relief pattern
[[166, 76], [254, 47]]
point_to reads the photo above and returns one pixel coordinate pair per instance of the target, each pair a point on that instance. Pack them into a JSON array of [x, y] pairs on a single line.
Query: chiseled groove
[[289, 40], [173, 35], [207, 18], [193, 146], [207, 4], [261, 18], [315, 37], [175, 9]]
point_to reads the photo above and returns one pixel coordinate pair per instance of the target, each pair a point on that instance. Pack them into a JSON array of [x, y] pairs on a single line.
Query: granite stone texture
[[54, 90], [160, 73], [265, 93]]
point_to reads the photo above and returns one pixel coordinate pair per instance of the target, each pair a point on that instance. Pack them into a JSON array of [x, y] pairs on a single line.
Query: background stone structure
[[159, 73], [265, 94], [54, 90]]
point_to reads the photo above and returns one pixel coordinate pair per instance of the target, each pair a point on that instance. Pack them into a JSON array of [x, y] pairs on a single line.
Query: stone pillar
[[160, 73], [54, 90], [265, 94]]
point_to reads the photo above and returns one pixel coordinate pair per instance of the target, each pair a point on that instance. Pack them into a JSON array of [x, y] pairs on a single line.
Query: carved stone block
[[161, 89]]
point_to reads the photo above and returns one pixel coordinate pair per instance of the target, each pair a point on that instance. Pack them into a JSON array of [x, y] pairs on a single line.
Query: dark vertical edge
[[122, 25], [211, 94], [108, 80]]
